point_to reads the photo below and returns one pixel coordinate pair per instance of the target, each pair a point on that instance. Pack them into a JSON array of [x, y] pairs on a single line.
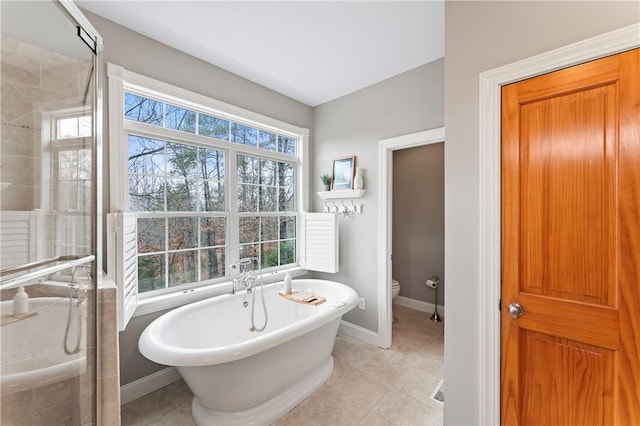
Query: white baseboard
[[146, 385], [418, 305], [359, 332]]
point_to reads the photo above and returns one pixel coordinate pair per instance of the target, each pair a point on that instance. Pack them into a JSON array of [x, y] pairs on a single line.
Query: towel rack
[[69, 261]]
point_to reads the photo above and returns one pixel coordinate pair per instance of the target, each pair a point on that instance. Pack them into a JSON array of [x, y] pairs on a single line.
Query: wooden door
[[571, 246]]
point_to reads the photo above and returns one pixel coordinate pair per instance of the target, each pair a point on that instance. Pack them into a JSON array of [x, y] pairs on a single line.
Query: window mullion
[[166, 219], [199, 198], [231, 195]]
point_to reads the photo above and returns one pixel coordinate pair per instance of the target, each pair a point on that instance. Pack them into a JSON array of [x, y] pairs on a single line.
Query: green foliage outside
[[287, 255]]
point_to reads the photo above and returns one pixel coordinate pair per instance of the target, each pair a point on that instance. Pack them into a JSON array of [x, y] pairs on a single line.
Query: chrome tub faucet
[[247, 278]]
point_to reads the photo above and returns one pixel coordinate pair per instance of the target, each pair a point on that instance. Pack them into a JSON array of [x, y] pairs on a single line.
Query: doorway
[[489, 131], [385, 191], [418, 230]]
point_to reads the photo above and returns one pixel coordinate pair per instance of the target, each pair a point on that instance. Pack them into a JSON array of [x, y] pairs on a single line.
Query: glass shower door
[[48, 216]]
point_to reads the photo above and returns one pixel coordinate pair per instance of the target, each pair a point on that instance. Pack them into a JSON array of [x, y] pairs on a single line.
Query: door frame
[[385, 192], [489, 188]]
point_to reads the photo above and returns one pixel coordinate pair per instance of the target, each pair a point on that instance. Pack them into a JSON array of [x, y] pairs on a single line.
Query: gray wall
[[418, 220], [353, 125], [480, 36], [140, 54]]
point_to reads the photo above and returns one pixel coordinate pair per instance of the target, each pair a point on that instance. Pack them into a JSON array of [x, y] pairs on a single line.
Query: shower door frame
[[75, 15]]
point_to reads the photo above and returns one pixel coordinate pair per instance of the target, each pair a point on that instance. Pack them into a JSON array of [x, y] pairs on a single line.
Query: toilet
[[395, 289]]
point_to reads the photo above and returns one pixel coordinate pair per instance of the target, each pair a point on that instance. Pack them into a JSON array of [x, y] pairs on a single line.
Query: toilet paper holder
[[432, 282]]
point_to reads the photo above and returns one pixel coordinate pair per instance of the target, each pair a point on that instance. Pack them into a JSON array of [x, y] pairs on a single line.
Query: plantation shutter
[[122, 265], [18, 237], [320, 247]]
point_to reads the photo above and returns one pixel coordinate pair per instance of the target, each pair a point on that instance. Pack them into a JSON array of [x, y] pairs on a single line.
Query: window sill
[[179, 298]]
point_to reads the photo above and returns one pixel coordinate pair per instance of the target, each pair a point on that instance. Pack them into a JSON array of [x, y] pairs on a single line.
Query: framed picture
[[343, 171]]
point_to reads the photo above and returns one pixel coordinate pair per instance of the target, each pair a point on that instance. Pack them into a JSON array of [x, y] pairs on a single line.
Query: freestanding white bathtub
[[240, 376]]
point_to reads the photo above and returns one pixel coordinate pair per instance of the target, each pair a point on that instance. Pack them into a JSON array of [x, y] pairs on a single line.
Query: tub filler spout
[[246, 279]]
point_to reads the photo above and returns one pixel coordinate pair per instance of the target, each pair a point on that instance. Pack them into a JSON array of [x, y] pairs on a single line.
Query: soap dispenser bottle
[[288, 287], [20, 302]]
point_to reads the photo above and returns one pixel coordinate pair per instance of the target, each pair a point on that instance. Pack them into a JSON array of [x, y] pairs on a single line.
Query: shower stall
[[49, 210]]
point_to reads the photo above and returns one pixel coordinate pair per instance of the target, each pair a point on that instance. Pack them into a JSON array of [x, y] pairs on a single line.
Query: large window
[[208, 187]]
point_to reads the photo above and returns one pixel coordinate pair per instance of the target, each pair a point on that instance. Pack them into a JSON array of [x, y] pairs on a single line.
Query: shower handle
[[515, 310]]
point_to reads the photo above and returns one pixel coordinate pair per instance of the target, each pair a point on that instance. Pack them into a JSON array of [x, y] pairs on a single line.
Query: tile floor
[[369, 385]]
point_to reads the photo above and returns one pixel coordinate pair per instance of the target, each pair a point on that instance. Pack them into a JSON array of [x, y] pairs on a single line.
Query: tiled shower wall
[[108, 352], [34, 81]]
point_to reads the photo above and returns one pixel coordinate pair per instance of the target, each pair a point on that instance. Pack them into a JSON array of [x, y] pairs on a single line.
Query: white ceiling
[[311, 51]]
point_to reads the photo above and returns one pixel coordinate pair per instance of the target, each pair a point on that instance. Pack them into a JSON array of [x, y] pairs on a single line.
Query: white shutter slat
[[320, 248], [18, 239], [122, 265]]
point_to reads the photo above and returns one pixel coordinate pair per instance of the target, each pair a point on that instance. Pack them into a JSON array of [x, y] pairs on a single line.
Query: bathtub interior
[[32, 348]]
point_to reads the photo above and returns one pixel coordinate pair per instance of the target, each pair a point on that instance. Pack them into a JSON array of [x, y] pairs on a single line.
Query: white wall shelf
[[341, 194], [348, 208]]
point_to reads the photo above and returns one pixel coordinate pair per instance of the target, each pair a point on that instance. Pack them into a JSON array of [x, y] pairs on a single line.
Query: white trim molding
[[358, 332], [418, 305], [489, 188], [147, 384], [385, 189]]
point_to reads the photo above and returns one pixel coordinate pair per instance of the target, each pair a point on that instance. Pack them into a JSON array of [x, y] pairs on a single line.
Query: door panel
[[571, 245], [568, 200], [561, 377]]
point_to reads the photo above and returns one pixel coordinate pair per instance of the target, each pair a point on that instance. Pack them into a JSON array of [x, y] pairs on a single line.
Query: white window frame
[[52, 146], [121, 80]]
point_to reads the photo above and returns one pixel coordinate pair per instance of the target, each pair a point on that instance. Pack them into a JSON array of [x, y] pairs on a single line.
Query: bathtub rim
[[155, 349]]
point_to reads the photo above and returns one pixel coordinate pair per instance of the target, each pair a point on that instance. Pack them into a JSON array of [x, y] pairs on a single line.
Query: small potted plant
[[326, 182]]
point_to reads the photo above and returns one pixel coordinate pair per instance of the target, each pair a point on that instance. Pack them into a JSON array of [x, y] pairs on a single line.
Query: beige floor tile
[[358, 388], [142, 411], [294, 417], [179, 416], [400, 408], [323, 408], [172, 396], [429, 364], [372, 361], [417, 383], [372, 419]]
